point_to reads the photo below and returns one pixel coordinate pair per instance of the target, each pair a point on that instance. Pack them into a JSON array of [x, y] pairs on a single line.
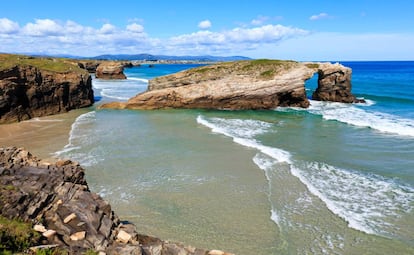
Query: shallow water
[[331, 179]]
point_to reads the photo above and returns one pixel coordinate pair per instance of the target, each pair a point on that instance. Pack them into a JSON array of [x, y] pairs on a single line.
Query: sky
[[289, 29]]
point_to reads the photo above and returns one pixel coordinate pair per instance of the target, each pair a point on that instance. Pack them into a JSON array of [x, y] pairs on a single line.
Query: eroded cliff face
[[27, 92], [334, 84]]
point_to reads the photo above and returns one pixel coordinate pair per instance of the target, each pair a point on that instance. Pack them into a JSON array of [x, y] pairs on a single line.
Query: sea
[[330, 179]]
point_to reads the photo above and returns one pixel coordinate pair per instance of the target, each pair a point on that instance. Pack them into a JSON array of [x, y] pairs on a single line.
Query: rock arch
[[334, 84]]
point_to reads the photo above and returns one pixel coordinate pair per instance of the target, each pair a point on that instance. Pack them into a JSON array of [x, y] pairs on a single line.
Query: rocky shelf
[[244, 85], [56, 200]]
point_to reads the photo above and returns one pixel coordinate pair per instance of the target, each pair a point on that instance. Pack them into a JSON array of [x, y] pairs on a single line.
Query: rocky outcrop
[[28, 91], [90, 66], [110, 70], [259, 84], [56, 199], [256, 84], [334, 84]]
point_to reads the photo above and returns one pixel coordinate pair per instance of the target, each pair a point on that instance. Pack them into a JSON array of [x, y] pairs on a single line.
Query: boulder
[[110, 70]]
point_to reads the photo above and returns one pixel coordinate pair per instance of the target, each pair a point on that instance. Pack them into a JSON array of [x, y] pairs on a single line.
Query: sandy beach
[[41, 136]]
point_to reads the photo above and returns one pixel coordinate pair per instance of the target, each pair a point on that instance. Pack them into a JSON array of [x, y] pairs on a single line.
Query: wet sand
[[41, 136]]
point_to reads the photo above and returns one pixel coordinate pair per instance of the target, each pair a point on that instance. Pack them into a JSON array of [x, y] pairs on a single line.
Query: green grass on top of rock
[[312, 65], [59, 65], [263, 69], [16, 235]]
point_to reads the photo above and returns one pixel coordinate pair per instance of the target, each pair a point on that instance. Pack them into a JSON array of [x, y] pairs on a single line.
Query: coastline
[[42, 136]]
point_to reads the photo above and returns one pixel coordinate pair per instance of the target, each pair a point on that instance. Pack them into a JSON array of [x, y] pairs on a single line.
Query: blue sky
[[300, 30]]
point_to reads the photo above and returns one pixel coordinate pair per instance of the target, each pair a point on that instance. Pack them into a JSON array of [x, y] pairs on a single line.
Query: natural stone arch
[[334, 84]]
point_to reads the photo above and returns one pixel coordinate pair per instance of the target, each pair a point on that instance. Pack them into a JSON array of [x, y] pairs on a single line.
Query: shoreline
[[42, 136]]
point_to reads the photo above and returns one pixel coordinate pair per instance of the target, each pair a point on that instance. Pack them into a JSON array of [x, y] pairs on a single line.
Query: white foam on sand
[[77, 137], [368, 203], [243, 133]]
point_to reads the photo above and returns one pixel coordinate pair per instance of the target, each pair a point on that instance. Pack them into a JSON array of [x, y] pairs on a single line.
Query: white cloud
[[107, 29], [319, 16], [51, 36], [205, 24], [73, 27], [135, 28], [266, 41], [8, 27], [236, 38], [43, 27], [260, 20]]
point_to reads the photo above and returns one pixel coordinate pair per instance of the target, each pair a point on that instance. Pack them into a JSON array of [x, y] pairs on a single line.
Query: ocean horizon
[[330, 179]]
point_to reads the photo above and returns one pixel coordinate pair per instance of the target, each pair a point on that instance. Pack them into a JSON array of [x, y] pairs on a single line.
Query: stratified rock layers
[[242, 85], [110, 70], [334, 84], [57, 200], [261, 84], [27, 92]]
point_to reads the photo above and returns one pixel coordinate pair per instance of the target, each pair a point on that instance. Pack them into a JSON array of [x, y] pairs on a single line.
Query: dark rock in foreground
[[57, 200]]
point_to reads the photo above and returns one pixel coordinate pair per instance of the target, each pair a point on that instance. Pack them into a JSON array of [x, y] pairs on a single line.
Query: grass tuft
[[16, 235]]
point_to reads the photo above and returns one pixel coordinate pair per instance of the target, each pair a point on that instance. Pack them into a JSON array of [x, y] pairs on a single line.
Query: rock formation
[[334, 84], [90, 66], [259, 84], [57, 200], [110, 70], [256, 84], [32, 87]]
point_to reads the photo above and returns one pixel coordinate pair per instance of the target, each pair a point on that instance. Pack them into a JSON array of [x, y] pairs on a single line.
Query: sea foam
[[78, 137], [120, 89], [353, 115], [359, 116], [368, 203], [243, 133]]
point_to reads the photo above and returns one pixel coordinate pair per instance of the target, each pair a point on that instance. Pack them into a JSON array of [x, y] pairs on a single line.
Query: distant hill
[[150, 57]]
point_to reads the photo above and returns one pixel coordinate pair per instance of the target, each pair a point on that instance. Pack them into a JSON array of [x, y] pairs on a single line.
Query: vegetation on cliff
[[264, 69], [34, 87], [16, 235], [58, 65]]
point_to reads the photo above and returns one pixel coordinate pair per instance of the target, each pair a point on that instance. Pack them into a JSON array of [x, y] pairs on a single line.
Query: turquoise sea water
[[330, 179]]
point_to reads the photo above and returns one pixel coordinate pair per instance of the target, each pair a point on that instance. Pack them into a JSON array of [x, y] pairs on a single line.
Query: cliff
[[255, 84], [33, 87], [56, 199]]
